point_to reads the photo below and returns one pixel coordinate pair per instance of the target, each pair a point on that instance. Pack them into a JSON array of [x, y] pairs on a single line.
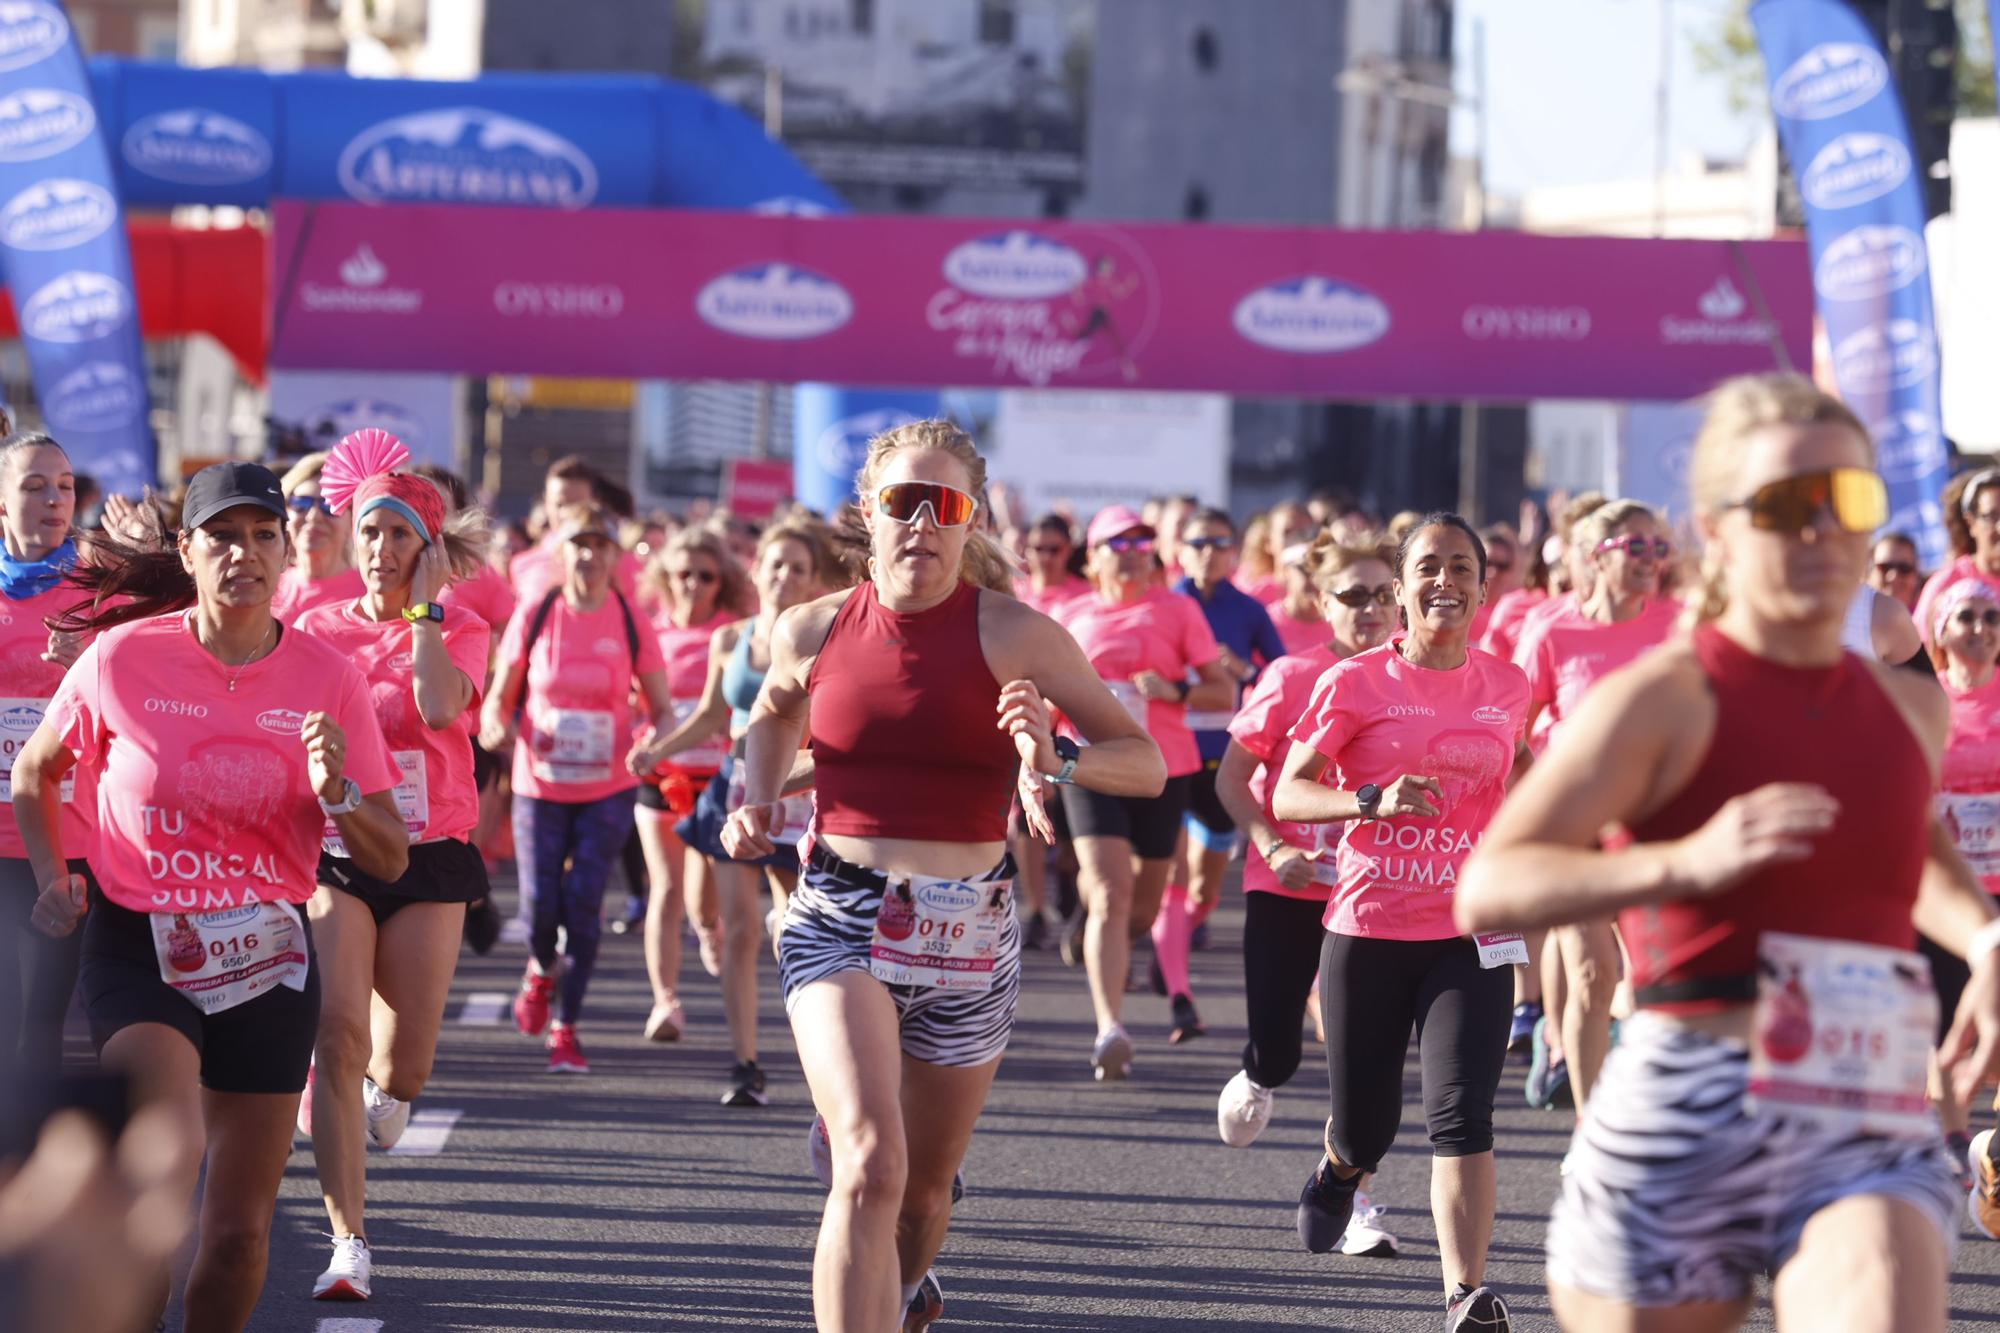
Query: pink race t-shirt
[[1297, 635], [684, 649], [27, 683], [1263, 727], [298, 594], [435, 791], [1968, 798], [1503, 627], [1048, 599], [1161, 631], [576, 726], [487, 595], [1377, 718], [539, 568], [203, 800], [1959, 570], [1573, 652]]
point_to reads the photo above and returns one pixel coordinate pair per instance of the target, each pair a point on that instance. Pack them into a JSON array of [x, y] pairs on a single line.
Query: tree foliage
[[1729, 51]]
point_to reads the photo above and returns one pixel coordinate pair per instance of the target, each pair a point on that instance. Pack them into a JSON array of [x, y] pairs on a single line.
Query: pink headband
[[411, 496]]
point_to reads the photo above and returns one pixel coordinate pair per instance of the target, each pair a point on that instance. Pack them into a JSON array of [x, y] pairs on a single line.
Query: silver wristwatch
[[350, 799]]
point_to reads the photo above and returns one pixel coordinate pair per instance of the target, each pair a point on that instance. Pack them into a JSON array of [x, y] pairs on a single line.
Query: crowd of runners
[[1699, 810]]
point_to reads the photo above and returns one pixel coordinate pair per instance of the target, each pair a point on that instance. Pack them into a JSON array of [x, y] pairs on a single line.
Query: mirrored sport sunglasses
[[305, 504], [1358, 597], [904, 500], [1124, 545], [1637, 547], [1854, 496], [1209, 543]]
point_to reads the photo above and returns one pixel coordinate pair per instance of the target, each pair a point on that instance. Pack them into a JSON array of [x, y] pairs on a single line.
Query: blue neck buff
[[30, 578]]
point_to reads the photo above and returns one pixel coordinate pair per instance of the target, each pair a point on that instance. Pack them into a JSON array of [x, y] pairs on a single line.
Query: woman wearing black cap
[[222, 745]]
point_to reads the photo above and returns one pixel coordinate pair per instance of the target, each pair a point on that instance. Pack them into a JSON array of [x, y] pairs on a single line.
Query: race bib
[[18, 720], [1973, 820], [1326, 840], [217, 960], [1507, 949], [572, 745], [1212, 719], [703, 758], [1842, 1036], [942, 933], [1128, 696], [413, 802]]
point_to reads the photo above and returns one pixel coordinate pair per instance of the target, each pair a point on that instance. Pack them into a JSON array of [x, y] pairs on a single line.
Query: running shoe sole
[[1483, 1311], [925, 1307], [1113, 1060], [340, 1290]]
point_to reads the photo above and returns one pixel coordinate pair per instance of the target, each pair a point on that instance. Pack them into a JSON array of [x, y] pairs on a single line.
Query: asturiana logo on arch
[[1908, 446], [97, 395], [30, 30], [41, 122], [1312, 314], [466, 155], [1869, 262], [1015, 266], [76, 307], [56, 214], [843, 446], [195, 146], [1899, 354], [779, 301], [1831, 78], [1854, 169]]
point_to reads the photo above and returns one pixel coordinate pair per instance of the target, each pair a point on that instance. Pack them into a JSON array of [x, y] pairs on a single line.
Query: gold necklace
[[227, 676]]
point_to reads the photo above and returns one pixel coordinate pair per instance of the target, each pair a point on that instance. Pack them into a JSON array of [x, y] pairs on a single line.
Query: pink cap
[[1116, 522]]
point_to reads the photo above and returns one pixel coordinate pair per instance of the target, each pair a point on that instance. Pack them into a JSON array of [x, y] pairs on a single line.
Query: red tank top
[[1834, 726], [905, 735]]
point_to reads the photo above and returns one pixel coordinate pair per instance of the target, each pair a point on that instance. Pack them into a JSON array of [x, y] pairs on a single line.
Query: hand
[[136, 523], [746, 834], [1531, 526], [326, 756], [1152, 685], [60, 906], [496, 732], [1296, 867], [1972, 1048], [65, 648], [1411, 794], [1034, 794], [1024, 715], [642, 761], [1772, 825], [433, 573]]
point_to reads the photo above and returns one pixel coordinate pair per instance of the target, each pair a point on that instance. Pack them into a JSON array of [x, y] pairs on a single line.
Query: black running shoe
[[1478, 1311], [746, 1086], [1187, 1023], [1071, 947], [1035, 934], [482, 926], [1325, 1205]]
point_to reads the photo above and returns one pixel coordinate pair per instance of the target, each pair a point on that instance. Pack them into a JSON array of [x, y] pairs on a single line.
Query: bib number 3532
[[943, 933]]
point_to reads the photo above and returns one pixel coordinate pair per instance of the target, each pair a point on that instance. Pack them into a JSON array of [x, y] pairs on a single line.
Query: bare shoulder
[[804, 628], [723, 641], [1016, 637]]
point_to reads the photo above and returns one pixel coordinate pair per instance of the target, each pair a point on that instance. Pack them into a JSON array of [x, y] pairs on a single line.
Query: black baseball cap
[[223, 486]]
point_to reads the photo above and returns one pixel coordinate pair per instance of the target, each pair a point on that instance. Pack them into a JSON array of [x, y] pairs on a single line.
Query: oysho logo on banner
[[1869, 262], [76, 307], [195, 146], [1895, 355], [41, 122], [30, 30], [57, 214], [1725, 318], [561, 299], [1312, 314], [1832, 78], [1526, 323], [466, 155], [1909, 446], [1854, 169], [364, 289], [1015, 266], [98, 395], [774, 301]]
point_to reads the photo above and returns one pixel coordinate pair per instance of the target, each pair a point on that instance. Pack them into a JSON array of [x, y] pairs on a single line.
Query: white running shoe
[[1111, 1057], [819, 1151], [1243, 1110], [346, 1278], [1365, 1238], [388, 1116]]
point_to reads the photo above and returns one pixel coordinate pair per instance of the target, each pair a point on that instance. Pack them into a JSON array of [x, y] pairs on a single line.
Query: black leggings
[[1281, 943], [1372, 993], [37, 976]]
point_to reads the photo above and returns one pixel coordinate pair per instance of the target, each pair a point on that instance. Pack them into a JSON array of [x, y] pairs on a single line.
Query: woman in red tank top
[[929, 687], [1764, 1110]]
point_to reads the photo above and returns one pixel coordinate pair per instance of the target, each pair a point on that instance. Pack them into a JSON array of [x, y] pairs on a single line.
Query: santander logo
[[363, 269]]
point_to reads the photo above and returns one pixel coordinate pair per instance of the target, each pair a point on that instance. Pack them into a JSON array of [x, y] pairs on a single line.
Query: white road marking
[[428, 1129], [483, 1008], [347, 1325]]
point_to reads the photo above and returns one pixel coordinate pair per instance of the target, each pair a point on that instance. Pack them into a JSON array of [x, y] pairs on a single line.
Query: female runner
[[322, 566]]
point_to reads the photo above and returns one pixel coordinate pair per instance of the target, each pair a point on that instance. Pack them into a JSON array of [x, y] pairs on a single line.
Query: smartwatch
[[350, 799], [431, 611], [1368, 799], [1184, 688], [1066, 750]]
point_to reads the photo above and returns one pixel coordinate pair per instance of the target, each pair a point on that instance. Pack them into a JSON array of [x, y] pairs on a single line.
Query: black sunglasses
[[1360, 597], [1209, 543]]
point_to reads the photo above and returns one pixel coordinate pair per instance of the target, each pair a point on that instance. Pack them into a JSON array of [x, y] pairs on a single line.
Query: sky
[[1571, 90]]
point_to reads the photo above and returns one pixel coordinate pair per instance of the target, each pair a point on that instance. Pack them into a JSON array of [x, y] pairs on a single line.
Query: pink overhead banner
[[905, 300]]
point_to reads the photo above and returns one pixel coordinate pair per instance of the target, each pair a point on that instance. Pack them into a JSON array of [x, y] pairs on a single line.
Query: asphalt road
[[630, 1199]]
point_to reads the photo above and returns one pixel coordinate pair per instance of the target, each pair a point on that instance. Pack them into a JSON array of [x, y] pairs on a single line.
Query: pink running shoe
[[531, 1006], [565, 1055]]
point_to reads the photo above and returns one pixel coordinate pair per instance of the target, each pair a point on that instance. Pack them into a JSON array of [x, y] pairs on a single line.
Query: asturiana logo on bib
[[1015, 266], [57, 214], [1831, 78], [76, 307], [466, 155], [284, 721], [41, 122], [1491, 714], [97, 395], [948, 897], [195, 146], [1312, 314], [20, 720], [30, 30], [1854, 169], [1869, 262], [774, 301]]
